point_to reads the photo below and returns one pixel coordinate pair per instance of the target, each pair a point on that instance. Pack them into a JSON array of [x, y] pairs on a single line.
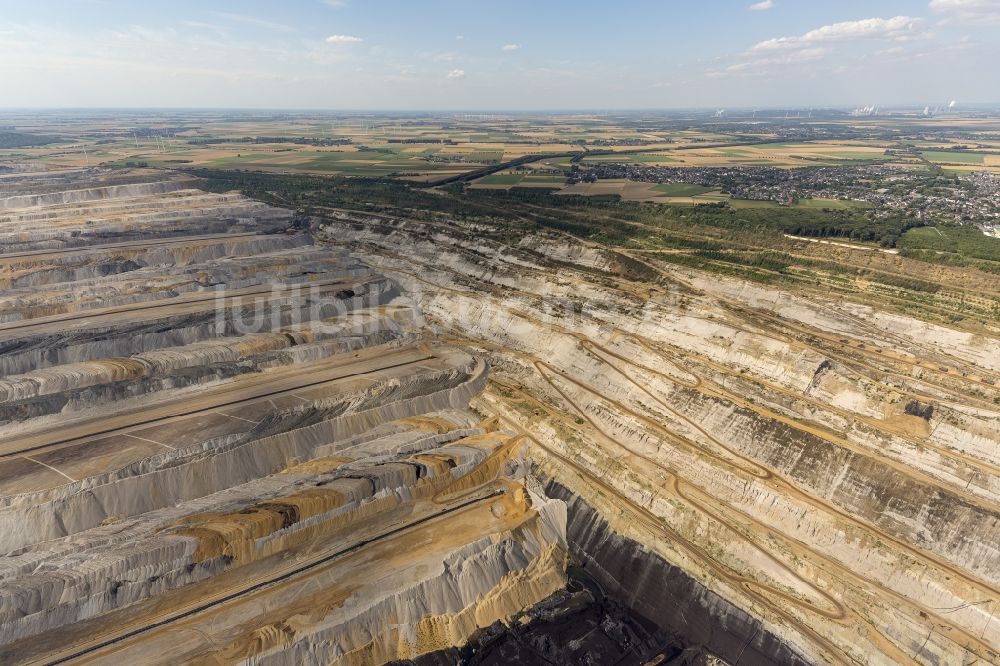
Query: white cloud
[[510, 47], [760, 64], [336, 4], [456, 74], [816, 45], [343, 39], [459, 36], [894, 51], [199, 24], [256, 22], [898, 28], [967, 11], [761, 6]]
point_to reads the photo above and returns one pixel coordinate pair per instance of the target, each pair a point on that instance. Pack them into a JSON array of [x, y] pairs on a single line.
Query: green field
[[965, 242], [380, 160], [953, 157], [837, 204], [485, 156], [360, 163], [501, 179], [752, 203], [242, 160], [682, 189], [816, 204], [545, 178], [21, 140]]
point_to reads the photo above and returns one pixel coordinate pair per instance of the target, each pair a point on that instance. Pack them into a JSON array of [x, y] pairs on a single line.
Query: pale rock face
[[117, 192], [190, 430], [822, 450], [382, 479]]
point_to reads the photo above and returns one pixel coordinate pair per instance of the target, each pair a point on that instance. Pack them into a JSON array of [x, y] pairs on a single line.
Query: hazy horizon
[[883, 109]]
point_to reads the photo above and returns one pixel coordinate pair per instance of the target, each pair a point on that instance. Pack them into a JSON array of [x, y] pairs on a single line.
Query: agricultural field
[[964, 161], [828, 204], [764, 154], [353, 145], [508, 179], [500, 180], [517, 151], [426, 148], [953, 157], [633, 158], [782, 155], [673, 193]]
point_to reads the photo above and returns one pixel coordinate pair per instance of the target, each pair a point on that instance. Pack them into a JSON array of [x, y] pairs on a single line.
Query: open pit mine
[[232, 433]]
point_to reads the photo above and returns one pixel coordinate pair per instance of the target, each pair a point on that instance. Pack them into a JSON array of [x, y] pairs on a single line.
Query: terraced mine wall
[[487, 581], [203, 411], [624, 604], [664, 594], [30, 178], [30, 273], [213, 465], [129, 212], [83, 385], [546, 450], [829, 470], [28, 351], [199, 546], [90, 194]]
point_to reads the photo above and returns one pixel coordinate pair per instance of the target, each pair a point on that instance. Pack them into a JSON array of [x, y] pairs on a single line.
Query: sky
[[489, 55]]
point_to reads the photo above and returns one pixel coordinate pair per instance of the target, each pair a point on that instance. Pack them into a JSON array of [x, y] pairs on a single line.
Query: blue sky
[[477, 54]]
